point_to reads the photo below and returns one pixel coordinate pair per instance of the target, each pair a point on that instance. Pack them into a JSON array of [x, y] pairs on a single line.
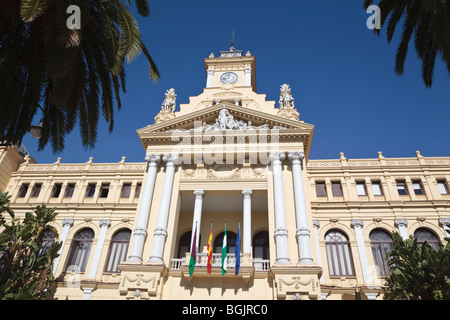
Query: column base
[[155, 261], [134, 259], [283, 261], [306, 261]]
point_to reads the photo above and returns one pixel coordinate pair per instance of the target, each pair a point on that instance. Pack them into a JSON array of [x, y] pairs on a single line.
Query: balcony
[[216, 262]]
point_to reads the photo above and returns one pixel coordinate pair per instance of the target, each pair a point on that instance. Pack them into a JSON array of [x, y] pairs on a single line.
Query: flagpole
[[237, 251]]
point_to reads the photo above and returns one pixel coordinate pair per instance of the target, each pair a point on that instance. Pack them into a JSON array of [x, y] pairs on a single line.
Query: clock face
[[228, 77]]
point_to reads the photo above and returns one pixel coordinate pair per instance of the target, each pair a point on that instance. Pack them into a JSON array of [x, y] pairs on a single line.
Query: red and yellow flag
[[210, 245]]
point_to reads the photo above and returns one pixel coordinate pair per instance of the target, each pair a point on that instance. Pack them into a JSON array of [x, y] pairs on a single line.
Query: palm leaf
[[31, 9]]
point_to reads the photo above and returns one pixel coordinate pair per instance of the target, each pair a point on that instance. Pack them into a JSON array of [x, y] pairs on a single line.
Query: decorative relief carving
[[225, 122], [224, 171]]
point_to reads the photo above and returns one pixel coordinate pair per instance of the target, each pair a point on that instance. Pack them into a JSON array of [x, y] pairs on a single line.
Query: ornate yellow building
[[309, 229]]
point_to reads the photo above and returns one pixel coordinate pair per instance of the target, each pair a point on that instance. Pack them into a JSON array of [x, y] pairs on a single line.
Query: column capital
[[173, 158], [199, 194], [247, 193], [316, 223], [67, 222], [296, 158], [357, 223], [156, 158], [105, 223], [401, 222], [297, 155], [444, 222], [277, 156]]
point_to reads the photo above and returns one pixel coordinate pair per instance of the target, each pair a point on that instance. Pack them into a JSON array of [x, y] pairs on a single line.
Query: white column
[[247, 232], [281, 233], [248, 76], [401, 224], [316, 226], [371, 295], [160, 232], [303, 233], [104, 225], [445, 223], [87, 291], [357, 225], [140, 232], [197, 220], [209, 78], [67, 223]]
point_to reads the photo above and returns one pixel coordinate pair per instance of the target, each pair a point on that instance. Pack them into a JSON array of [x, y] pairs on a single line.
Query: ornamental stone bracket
[[140, 281], [293, 282]]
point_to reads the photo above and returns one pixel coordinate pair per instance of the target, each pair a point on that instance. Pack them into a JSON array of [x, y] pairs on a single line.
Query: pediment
[[208, 119]]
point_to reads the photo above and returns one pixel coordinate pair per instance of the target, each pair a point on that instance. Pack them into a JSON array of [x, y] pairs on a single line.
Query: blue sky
[[341, 75]]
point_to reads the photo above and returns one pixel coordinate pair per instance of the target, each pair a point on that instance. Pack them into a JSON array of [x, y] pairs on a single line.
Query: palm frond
[[31, 9]]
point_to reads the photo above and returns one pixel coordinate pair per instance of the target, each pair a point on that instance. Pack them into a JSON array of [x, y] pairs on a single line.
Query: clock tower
[[231, 68]]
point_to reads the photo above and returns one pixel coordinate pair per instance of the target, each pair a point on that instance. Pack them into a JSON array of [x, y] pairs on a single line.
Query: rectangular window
[[138, 190], [90, 190], [56, 191], [69, 190], [104, 190], [417, 187], [336, 189], [321, 190], [376, 188], [442, 185], [126, 189], [36, 190], [361, 189], [23, 190], [401, 188]]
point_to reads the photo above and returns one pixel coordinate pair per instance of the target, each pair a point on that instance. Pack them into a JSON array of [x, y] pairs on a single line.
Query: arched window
[[118, 250], [261, 245], [48, 239], [423, 234], [381, 244], [339, 255], [231, 242], [79, 253], [184, 244]]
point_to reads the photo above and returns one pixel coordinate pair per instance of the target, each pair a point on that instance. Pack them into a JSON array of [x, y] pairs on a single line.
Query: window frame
[[36, 190], [336, 189], [118, 250], [379, 251], [364, 188], [324, 194], [399, 183], [339, 255], [444, 184], [421, 189], [377, 183]]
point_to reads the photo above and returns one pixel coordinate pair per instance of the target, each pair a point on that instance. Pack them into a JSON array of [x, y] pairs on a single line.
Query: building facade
[[230, 161]]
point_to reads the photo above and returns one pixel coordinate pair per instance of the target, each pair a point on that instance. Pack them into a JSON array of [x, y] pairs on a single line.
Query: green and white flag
[[224, 252]]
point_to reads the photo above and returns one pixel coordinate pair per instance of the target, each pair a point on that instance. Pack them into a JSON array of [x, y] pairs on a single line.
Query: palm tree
[[429, 21], [67, 75]]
